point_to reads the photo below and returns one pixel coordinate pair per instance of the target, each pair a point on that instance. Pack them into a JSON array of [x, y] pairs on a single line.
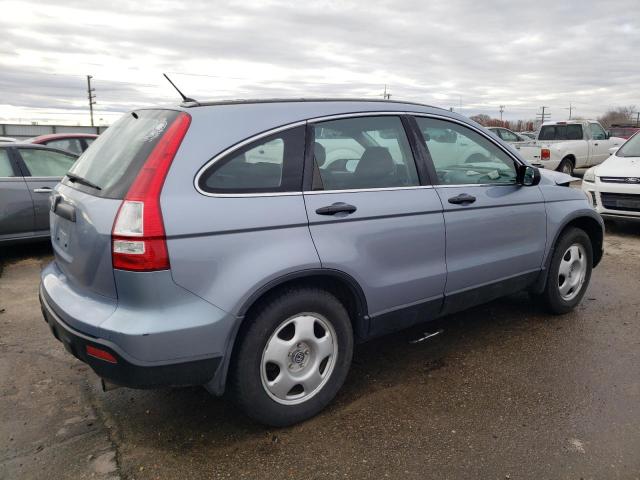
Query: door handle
[[336, 208], [462, 199], [42, 190]]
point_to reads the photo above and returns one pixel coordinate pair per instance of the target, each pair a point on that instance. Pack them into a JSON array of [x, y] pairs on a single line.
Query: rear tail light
[[138, 238], [545, 154]]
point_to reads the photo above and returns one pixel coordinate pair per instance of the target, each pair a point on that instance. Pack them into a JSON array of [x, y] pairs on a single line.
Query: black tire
[[245, 380], [566, 166], [551, 297]]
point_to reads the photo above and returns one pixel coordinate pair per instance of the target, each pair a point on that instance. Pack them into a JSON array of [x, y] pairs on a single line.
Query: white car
[[613, 187]]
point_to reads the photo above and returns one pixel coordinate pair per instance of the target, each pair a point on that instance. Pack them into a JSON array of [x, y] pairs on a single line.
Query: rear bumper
[[122, 371]]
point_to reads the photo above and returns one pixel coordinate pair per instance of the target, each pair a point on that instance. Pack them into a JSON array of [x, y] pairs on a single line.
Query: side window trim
[[239, 146], [516, 160]]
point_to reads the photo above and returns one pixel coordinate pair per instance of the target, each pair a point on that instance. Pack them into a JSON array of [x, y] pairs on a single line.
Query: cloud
[[471, 55]]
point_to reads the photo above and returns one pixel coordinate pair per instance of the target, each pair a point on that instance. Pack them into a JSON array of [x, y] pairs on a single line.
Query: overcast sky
[[470, 55]]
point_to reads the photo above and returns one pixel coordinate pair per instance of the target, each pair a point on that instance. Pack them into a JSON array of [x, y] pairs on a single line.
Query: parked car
[[28, 174], [614, 186], [71, 142], [529, 135], [230, 246], [623, 131], [7, 140], [510, 136], [565, 146]]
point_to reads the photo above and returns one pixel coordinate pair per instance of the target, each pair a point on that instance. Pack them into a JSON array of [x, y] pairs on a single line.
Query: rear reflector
[[138, 237], [545, 154], [98, 353]]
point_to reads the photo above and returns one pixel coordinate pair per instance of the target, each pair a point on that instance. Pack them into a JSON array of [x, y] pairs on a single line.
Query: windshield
[[113, 160], [631, 147]]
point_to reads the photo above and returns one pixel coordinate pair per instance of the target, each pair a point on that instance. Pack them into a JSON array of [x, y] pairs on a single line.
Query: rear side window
[[116, 156], [6, 170], [561, 132], [362, 152], [270, 164], [68, 144], [45, 163]]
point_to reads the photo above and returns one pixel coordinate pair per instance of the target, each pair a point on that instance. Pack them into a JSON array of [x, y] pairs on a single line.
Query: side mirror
[[613, 150], [528, 176], [607, 135]]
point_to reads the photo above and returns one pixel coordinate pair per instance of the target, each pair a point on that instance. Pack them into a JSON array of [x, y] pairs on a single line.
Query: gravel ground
[[506, 391]]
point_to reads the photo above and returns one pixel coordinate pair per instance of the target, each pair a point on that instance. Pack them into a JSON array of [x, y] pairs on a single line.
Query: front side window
[[270, 164], [462, 156], [45, 163], [6, 170], [68, 144], [597, 132], [362, 152], [507, 136]]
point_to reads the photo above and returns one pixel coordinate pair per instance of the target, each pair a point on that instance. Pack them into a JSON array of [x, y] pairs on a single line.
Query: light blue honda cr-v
[[245, 246]]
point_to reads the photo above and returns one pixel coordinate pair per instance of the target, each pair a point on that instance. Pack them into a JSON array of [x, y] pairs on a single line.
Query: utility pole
[[543, 115], [386, 95], [501, 110], [637, 119], [91, 96], [570, 109]]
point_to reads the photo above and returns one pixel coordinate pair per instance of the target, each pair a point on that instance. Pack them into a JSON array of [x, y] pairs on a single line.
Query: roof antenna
[[184, 97]]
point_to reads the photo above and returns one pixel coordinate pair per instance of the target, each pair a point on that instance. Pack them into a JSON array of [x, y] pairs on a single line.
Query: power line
[[542, 115], [91, 96], [571, 109]]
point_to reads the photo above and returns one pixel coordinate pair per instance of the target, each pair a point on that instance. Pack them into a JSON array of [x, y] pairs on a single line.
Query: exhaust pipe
[[107, 385]]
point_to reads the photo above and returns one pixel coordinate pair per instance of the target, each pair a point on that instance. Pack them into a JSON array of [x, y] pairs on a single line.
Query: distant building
[[24, 131]]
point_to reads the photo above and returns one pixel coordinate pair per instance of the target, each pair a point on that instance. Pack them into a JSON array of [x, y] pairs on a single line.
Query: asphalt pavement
[[505, 391]]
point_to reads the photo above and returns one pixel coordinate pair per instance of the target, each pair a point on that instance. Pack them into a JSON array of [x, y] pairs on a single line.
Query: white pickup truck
[[567, 145]]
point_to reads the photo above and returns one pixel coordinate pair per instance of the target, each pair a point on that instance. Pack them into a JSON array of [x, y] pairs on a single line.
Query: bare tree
[[618, 115], [482, 119]]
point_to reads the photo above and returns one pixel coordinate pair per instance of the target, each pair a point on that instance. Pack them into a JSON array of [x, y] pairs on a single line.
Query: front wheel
[[569, 272], [292, 358]]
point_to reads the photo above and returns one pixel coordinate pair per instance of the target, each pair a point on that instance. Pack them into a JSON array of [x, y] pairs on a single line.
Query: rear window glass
[[561, 132], [113, 160]]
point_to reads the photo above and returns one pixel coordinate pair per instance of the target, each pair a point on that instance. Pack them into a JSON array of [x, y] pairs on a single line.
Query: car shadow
[[40, 249], [190, 418]]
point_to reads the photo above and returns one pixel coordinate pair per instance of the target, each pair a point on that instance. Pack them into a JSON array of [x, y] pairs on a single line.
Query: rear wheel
[[293, 357], [569, 272], [566, 166]]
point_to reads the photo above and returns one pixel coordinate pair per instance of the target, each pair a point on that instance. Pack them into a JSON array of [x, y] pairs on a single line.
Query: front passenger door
[[495, 228], [42, 170], [599, 146]]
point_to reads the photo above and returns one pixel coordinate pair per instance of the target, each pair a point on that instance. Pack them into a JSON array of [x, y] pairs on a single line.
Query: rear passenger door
[[42, 170], [496, 228], [372, 216], [16, 206]]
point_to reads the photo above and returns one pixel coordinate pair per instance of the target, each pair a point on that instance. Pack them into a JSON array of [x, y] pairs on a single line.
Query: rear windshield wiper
[[77, 178]]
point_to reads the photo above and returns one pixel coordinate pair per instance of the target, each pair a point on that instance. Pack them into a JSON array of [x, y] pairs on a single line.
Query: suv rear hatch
[[95, 190]]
